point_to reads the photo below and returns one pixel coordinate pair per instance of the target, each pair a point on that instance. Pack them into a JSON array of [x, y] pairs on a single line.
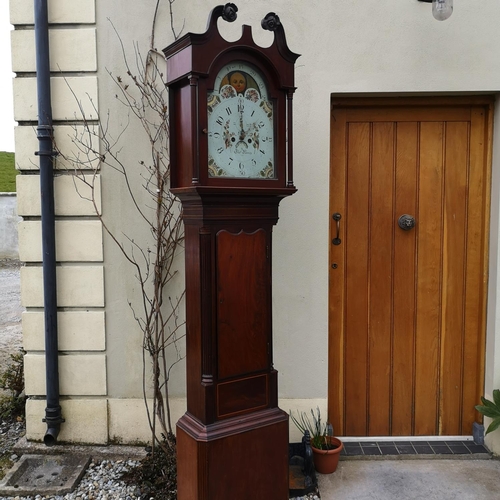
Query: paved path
[[467, 479], [10, 310]]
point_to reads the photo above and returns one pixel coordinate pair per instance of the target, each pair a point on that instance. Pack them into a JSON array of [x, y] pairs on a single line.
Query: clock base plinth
[[243, 458]]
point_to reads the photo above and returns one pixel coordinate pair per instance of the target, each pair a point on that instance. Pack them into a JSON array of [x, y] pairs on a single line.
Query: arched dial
[[240, 125]]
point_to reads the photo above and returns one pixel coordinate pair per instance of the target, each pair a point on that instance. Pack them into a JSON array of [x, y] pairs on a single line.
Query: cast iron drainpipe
[[53, 416]]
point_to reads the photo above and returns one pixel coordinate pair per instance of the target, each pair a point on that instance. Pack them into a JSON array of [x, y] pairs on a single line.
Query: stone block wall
[[79, 241]]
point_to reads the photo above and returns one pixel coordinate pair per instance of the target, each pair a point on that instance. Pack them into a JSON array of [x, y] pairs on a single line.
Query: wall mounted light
[[441, 9]]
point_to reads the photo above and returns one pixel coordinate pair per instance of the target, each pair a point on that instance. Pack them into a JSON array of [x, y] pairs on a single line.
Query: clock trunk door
[[243, 303], [408, 294], [243, 321]]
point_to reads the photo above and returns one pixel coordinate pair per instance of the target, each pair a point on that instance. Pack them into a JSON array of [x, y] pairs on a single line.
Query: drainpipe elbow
[[53, 419], [50, 438]]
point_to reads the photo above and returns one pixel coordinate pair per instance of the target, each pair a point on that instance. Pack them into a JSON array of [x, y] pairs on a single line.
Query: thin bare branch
[[143, 94]]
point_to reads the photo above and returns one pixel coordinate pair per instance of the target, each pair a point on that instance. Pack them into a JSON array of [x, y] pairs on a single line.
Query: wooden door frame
[[341, 103]]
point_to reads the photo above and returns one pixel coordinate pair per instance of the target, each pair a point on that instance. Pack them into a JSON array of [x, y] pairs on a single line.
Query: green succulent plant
[[491, 409], [318, 430]]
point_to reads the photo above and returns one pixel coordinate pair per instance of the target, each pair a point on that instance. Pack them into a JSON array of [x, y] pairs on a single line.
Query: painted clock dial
[[240, 125]]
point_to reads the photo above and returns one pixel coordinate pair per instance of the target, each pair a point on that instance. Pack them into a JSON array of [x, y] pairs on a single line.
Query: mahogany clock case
[[233, 439], [193, 63]]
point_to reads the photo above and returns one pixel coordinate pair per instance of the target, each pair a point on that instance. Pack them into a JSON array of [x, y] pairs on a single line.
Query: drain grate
[[44, 474]]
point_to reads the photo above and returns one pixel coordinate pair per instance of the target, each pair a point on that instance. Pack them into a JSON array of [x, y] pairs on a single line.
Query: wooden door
[[407, 307]]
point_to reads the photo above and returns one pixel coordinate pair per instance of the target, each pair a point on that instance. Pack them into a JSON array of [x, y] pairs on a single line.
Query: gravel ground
[[101, 481], [10, 433]]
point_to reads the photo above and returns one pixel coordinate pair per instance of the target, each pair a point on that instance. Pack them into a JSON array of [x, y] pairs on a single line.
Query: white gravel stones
[[101, 481], [10, 432], [311, 496]]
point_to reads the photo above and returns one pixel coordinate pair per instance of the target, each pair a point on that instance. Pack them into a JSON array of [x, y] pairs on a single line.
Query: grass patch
[[5, 465], [8, 173]]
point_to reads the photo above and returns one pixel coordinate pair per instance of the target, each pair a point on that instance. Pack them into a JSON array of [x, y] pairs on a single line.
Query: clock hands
[[242, 130], [241, 143], [240, 134]]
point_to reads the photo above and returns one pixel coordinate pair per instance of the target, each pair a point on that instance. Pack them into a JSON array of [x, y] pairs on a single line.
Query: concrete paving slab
[[44, 475], [412, 480], [111, 452]]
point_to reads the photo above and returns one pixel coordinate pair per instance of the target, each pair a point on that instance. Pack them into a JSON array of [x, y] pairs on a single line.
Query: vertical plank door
[[407, 306]]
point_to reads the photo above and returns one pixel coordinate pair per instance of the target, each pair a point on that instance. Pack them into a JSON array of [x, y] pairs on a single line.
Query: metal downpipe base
[[50, 438], [53, 419]]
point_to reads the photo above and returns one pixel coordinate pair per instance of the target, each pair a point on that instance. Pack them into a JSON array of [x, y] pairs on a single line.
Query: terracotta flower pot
[[326, 461]]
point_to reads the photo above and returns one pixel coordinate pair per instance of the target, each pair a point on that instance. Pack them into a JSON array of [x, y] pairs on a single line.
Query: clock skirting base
[[244, 458]]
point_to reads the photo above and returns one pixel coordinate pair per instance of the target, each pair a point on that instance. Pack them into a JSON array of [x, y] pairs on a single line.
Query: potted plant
[[491, 409], [326, 448]]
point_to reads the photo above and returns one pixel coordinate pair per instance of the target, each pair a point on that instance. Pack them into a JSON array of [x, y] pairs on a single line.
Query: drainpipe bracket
[[53, 420], [53, 416], [46, 153]]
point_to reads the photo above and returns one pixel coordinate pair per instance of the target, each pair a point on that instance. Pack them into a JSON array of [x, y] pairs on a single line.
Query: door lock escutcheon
[[406, 222]]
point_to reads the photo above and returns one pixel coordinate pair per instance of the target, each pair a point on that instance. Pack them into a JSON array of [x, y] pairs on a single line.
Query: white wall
[[123, 337], [492, 374], [347, 46], [9, 246]]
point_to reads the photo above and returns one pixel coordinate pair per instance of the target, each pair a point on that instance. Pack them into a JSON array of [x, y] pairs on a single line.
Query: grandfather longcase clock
[[231, 165]]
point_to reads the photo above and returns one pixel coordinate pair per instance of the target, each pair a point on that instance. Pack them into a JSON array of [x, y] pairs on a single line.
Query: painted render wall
[[9, 246], [361, 47]]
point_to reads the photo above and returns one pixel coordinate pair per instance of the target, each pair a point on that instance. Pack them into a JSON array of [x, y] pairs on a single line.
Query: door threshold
[[393, 439], [413, 447]]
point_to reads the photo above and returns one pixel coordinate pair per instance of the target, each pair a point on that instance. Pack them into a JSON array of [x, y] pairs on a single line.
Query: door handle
[[336, 217]]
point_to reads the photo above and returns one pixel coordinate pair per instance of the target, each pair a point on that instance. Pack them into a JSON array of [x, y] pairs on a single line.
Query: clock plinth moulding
[[231, 165]]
